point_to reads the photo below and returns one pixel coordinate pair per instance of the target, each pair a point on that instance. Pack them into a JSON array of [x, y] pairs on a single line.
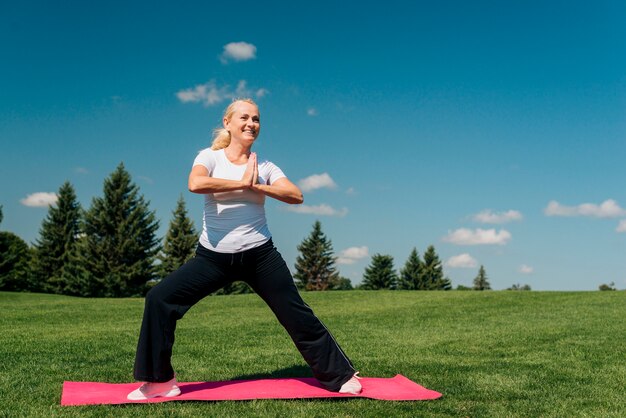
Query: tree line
[[111, 250], [316, 269], [108, 250]]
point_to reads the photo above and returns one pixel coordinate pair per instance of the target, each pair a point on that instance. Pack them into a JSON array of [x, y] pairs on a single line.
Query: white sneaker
[[149, 390], [352, 386]]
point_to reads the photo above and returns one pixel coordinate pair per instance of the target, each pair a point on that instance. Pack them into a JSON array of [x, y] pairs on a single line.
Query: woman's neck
[[237, 153]]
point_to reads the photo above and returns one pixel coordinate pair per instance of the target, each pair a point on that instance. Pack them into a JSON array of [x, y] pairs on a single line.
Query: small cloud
[[311, 111], [462, 261], [621, 227], [524, 269], [352, 255], [210, 93], [39, 200], [146, 179], [322, 210], [81, 170], [351, 191], [464, 236], [317, 181], [607, 209], [238, 51], [489, 217]]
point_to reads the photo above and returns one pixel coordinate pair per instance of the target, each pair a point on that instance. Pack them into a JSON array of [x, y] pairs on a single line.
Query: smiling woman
[[235, 244]]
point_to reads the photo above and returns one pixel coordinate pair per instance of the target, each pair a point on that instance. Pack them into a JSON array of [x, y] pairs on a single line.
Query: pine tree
[[120, 243], [76, 279], [432, 272], [380, 274], [315, 266], [411, 274], [480, 281], [57, 239], [180, 241]]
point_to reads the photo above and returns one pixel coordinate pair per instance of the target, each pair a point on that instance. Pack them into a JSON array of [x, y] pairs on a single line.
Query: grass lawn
[[500, 354]]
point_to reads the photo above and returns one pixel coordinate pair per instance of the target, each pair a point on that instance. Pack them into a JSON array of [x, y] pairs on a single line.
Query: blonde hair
[[221, 137]]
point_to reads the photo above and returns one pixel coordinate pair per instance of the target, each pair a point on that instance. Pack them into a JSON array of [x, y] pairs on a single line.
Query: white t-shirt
[[234, 221]]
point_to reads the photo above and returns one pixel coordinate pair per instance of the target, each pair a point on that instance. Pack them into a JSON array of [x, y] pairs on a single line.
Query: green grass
[[500, 354]]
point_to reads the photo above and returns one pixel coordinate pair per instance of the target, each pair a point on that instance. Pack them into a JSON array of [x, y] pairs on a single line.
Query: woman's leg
[[166, 303], [274, 283]]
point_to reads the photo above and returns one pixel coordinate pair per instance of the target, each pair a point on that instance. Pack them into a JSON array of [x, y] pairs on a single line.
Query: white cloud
[[462, 261], [607, 209], [487, 216], [39, 200], [524, 269], [210, 93], [621, 227], [238, 51], [322, 210], [317, 181], [464, 236], [311, 111], [81, 170], [352, 255]]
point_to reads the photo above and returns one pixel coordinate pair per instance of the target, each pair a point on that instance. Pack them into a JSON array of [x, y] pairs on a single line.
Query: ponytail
[[221, 139]]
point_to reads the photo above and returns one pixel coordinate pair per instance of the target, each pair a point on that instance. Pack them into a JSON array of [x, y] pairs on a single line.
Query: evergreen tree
[[180, 241], [380, 274], [76, 279], [411, 274], [341, 283], [432, 272], [120, 244], [57, 239], [15, 258], [315, 266], [480, 281]]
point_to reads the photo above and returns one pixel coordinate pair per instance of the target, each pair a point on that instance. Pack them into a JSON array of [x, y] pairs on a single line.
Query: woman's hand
[[251, 175]]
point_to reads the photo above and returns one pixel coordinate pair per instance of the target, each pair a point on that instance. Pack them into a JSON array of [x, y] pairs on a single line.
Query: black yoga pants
[[265, 271]]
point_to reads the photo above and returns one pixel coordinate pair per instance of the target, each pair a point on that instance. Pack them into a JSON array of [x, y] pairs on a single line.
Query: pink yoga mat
[[397, 388]]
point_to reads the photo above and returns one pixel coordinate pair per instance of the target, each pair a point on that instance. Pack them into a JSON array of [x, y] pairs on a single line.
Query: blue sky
[[495, 131]]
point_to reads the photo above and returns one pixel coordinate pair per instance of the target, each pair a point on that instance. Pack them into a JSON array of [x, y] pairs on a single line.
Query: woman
[[235, 244]]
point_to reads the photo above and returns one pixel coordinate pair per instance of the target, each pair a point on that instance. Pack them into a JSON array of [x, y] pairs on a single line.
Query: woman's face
[[244, 124]]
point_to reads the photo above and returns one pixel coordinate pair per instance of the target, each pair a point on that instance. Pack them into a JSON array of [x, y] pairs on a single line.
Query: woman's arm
[[282, 189]]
